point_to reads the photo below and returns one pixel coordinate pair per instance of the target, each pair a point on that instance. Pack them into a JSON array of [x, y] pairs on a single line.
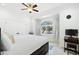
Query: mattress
[[26, 44]]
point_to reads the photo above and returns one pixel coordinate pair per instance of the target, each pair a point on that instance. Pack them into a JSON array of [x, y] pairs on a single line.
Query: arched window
[[46, 27]]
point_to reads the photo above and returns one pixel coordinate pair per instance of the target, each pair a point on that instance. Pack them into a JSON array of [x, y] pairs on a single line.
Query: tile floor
[[54, 49]]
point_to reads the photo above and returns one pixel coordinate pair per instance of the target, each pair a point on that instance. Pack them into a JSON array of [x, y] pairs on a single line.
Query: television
[[71, 32]]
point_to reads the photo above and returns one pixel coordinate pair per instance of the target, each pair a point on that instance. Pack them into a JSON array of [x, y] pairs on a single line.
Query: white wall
[[10, 23], [37, 27], [55, 20], [72, 23], [15, 27]]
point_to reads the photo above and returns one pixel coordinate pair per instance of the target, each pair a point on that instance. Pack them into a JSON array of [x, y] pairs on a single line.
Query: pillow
[[11, 37], [7, 41]]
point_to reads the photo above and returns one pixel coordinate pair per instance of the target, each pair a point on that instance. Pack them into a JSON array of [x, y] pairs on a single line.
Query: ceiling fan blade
[[24, 9], [35, 10], [34, 6], [24, 4], [29, 4]]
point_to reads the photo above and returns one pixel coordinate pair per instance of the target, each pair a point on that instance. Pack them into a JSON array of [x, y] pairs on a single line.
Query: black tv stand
[[71, 44]]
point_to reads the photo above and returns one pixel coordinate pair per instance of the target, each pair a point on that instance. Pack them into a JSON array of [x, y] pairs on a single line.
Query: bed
[[25, 45]]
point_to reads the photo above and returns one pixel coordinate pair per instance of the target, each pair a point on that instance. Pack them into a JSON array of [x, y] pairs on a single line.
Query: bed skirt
[[42, 50]]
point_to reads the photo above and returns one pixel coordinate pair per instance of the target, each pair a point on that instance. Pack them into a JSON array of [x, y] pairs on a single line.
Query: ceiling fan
[[30, 7]]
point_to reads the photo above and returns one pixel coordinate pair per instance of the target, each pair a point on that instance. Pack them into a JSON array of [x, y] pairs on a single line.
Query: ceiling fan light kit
[[30, 7]]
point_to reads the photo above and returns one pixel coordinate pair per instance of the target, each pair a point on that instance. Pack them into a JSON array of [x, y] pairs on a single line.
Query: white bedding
[[26, 44]]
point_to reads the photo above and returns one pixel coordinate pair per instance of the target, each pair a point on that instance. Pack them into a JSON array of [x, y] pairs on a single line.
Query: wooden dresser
[[71, 44]]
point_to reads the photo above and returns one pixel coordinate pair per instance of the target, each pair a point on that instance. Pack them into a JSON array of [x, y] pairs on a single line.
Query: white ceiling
[[41, 6], [14, 9]]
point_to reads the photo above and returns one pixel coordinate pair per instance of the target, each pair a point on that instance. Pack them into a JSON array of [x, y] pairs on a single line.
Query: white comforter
[[26, 44]]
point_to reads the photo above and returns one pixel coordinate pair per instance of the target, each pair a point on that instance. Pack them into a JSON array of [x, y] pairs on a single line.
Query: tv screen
[[71, 32]]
